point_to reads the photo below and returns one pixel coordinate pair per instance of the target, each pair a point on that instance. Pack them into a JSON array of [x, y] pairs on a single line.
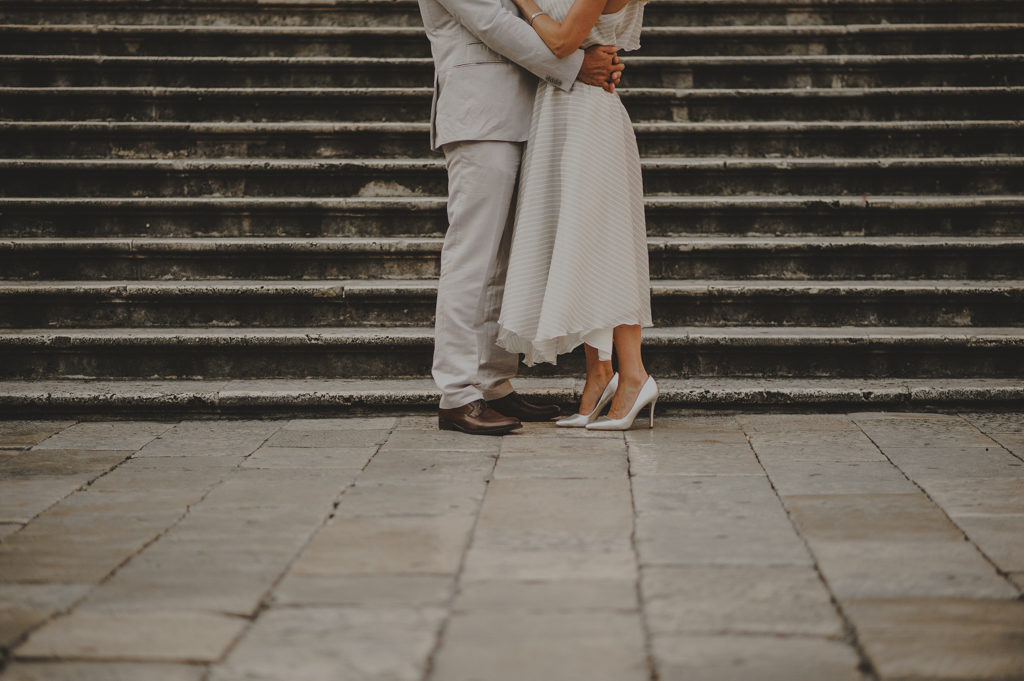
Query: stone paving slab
[[959, 496], [737, 539], [590, 514], [569, 646], [693, 459], [894, 569], [33, 480], [24, 606], [870, 517], [25, 498], [918, 639], [721, 546], [405, 465], [40, 464], [852, 450], [549, 565], [837, 477], [106, 435], [754, 658], [504, 595], [354, 458], [102, 671], [210, 438], [937, 462], [9, 528], [401, 591], [151, 635], [738, 599], [322, 437], [327, 644], [1013, 442], [412, 498], [23, 434], [346, 425], [403, 545], [998, 536]]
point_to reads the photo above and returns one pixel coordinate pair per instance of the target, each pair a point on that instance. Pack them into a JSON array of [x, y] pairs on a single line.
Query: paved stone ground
[[726, 547]]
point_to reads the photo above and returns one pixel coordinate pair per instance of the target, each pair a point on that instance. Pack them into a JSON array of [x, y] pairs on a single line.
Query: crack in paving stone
[[850, 636]]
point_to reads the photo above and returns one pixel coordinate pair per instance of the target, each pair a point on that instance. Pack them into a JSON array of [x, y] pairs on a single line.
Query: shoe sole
[[494, 431]]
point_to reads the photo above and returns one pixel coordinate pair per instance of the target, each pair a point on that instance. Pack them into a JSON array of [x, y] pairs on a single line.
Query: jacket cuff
[[569, 68]]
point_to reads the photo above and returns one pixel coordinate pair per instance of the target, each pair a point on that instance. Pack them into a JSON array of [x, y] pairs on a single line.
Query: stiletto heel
[[581, 420], [648, 395]]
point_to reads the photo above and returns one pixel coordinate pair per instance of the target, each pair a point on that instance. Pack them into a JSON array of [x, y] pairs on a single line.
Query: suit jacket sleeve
[[508, 35]]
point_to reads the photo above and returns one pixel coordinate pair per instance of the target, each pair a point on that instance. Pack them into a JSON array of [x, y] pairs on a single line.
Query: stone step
[[425, 216], [779, 258], [413, 104], [784, 71], [406, 12], [410, 41], [763, 352], [388, 303], [252, 398], [101, 139], [417, 177]]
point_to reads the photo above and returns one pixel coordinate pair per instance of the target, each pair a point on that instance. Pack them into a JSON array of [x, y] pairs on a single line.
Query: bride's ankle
[[632, 380], [598, 382]]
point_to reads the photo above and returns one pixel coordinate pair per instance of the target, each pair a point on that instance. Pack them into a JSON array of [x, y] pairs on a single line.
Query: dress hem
[[546, 350]]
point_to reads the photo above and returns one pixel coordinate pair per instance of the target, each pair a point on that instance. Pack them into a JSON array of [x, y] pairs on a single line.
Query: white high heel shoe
[[648, 396], [581, 420]]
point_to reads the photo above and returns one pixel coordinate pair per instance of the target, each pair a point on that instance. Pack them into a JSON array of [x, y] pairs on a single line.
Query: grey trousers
[[468, 364]]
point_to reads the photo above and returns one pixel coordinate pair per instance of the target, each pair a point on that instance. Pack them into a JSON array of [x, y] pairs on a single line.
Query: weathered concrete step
[[786, 258], [413, 104], [863, 352], [406, 12], [425, 216], [383, 303], [162, 139], [417, 177], [783, 71], [297, 41], [850, 139], [339, 397], [925, 38]]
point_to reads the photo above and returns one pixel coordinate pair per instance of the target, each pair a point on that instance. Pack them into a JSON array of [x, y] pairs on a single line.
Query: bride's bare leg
[[632, 374], [598, 375]]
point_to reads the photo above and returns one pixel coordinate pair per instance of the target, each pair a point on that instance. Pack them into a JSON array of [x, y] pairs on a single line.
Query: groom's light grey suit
[[483, 99]]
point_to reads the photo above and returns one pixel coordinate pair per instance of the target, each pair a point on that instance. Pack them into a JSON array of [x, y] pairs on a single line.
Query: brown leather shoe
[[476, 418], [514, 405]]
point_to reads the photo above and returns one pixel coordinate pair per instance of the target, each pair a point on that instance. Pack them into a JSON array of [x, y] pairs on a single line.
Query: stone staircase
[[229, 206]]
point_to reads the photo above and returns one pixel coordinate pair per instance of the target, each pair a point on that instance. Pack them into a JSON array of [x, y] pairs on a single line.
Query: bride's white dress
[[578, 265]]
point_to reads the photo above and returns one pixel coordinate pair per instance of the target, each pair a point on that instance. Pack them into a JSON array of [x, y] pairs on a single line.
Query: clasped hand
[[601, 67]]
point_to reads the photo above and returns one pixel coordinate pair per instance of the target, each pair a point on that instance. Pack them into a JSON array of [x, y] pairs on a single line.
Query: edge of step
[[418, 31], [196, 164], [325, 127], [404, 288], [283, 397], [654, 60], [327, 4], [408, 336]]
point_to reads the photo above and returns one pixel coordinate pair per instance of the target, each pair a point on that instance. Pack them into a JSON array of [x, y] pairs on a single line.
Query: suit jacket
[[479, 91]]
